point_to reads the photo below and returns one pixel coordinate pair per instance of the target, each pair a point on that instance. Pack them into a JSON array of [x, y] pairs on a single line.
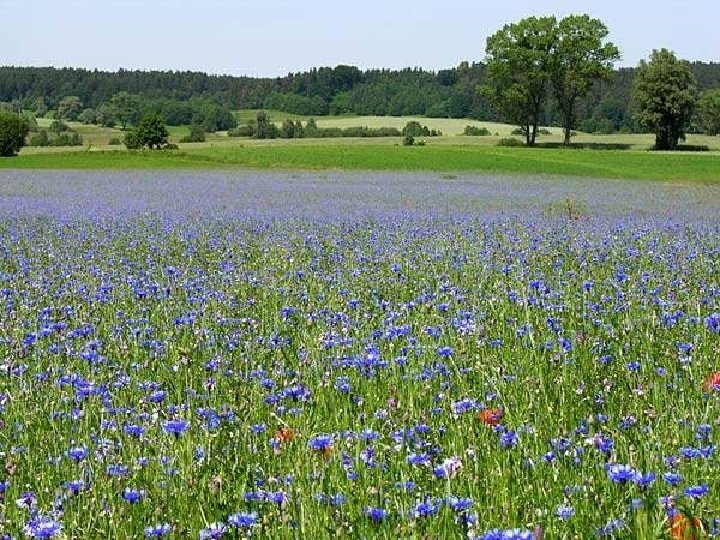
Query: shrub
[[474, 131], [41, 139], [171, 146], [510, 141], [115, 141], [13, 130], [58, 126], [408, 140], [132, 141], [415, 129], [242, 131], [196, 135]]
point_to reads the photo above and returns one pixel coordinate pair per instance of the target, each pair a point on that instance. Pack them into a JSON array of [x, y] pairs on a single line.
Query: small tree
[[70, 108], [151, 132], [664, 93], [265, 128], [13, 130], [709, 112]]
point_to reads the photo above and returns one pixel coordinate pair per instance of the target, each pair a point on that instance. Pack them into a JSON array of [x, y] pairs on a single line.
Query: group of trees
[[536, 57], [264, 128], [182, 98]]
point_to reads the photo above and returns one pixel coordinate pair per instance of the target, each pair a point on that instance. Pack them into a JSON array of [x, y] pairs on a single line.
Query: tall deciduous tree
[[126, 108], [664, 94], [150, 132], [709, 112], [580, 57], [518, 71]]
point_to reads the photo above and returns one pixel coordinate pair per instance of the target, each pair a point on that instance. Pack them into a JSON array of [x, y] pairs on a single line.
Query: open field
[[369, 154], [292, 355]]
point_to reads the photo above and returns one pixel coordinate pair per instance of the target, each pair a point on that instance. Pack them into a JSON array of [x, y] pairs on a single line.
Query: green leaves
[[13, 130], [664, 95]]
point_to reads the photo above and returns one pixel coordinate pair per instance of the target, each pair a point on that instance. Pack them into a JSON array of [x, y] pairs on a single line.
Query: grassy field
[[368, 155], [224, 355]]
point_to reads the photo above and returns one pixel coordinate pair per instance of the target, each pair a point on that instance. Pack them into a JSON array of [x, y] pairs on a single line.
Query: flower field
[[276, 355]]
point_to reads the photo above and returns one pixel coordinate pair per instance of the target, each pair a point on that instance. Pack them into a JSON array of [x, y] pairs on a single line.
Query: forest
[[183, 97]]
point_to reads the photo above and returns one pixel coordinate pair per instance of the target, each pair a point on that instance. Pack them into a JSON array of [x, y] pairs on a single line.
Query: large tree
[[664, 94], [709, 112], [13, 130], [581, 56], [518, 71]]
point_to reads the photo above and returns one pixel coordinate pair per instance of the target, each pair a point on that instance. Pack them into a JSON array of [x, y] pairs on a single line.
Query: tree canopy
[[664, 93], [13, 130]]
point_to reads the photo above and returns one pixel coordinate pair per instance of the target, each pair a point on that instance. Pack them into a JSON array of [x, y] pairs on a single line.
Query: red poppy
[[682, 528], [713, 381], [491, 417], [284, 434]]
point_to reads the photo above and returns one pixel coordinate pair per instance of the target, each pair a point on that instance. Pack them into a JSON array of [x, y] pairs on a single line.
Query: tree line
[[181, 98]]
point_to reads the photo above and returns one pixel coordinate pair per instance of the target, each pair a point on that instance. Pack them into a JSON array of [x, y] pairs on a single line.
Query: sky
[[269, 38]]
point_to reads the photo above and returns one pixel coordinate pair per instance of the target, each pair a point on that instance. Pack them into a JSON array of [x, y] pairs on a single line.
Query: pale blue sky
[[274, 37]]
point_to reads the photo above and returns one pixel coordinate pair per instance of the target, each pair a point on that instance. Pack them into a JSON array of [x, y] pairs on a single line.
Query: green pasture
[[369, 155]]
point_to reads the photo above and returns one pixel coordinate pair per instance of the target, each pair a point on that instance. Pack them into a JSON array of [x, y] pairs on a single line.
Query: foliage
[[150, 132], [519, 66], [114, 141], [581, 57], [408, 140], [474, 131], [196, 135], [69, 108], [132, 140], [509, 141], [709, 112], [13, 130], [665, 93], [264, 128], [58, 126], [415, 129], [88, 117], [247, 130]]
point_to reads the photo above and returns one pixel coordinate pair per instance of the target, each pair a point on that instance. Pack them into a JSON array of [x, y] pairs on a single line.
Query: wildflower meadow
[[351, 355]]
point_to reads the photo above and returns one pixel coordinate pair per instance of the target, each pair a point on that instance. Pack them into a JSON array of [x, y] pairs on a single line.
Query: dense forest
[[191, 97]]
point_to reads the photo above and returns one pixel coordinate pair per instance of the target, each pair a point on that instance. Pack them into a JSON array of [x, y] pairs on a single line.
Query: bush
[[171, 146], [13, 130], [41, 139], [243, 131], [415, 129], [474, 131], [510, 141], [115, 141], [196, 135], [69, 138], [58, 126], [408, 140], [132, 141]]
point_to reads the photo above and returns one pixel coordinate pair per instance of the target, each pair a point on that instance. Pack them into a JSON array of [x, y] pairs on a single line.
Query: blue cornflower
[[564, 511], [696, 492], [508, 534], [426, 509], [713, 323], [77, 453], [243, 520], [445, 351], [42, 527], [321, 443], [621, 473], [459, 504], [155, 531], [134, 430], [672, 478], [132, 496], [376, 514], [175, 427], [644, 480], [508, 439], [213, 531], [611, 527]]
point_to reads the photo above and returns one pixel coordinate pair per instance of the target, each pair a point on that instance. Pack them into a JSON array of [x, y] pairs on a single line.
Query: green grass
[[701, 167]]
